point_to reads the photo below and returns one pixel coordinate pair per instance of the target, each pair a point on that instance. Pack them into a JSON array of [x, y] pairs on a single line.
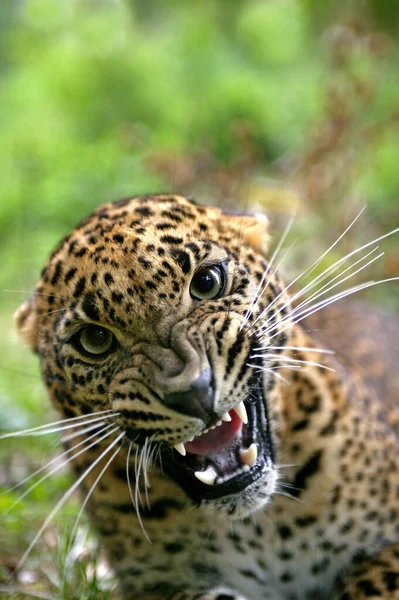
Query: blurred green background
[[258, 104]]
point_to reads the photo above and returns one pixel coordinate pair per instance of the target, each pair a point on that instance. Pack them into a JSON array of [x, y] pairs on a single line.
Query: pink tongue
[[216, 439]]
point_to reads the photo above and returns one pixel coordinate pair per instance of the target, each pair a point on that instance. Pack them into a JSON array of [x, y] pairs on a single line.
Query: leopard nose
[[197, 401]]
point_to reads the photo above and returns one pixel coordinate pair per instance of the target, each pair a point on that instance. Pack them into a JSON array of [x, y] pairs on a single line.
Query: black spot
[[118, 238], [320, 566], [144, 211], [171, 239], [70, 274], [368, 588], [308, 470], [117, 298], [390, 579], [173, 548], [79, 287], [57, 273], [146, 263], [90, 308], [284, 532], [81, 252], [109, 280], [300, 425], [182, 259], [305, 521]]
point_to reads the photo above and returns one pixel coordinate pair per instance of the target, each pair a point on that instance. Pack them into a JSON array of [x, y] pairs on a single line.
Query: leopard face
[[147, 310]]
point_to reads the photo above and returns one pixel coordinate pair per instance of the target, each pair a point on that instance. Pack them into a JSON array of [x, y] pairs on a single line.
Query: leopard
[[232, 441]]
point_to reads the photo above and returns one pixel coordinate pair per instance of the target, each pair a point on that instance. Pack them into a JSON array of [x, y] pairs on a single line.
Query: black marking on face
[[182, 259], [89, 307], [309, 469]]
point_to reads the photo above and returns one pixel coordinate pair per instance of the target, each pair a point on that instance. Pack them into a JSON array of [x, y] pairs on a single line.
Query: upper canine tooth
[[208, 477], [226, 417], [241, 412], [180, 448], [249, 456]]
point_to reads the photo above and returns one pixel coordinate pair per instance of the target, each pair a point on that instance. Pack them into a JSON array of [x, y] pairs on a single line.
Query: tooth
[[213, 426], [226, 417], [208, 477], [241, 412], [248, 457], [180, 448], [218, 424]]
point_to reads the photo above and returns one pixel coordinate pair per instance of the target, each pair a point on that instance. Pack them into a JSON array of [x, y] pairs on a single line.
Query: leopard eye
[[207, 283], [95, 339]]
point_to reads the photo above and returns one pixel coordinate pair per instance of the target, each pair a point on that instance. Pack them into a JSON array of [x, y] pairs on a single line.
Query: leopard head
[[151, 309]]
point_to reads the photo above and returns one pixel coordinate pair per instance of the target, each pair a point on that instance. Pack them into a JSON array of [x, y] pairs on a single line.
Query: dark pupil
[[96, 336], [204, 283]]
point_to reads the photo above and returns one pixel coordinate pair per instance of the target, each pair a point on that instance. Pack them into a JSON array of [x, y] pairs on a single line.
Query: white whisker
[[34, 293], [259, 292], [60, 465], [71, 436], [65, 497], [298, 348], [51, 427], [134, 502], [262, 369], [292, 360], [320, 305], [88, 495], [311, 268]]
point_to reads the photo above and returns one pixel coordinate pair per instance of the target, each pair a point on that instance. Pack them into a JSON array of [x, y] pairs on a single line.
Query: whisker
[[88, 495], [136, 508], [288, 495], [51, 427], [298, 348], [65, 497], [58, 466], [262, 368], [34, 293], [313, 309], [287, 359], [51, 312], [71, 436], [313, 282], [312, 266], [259, 293], [326, 287], [339, 276]]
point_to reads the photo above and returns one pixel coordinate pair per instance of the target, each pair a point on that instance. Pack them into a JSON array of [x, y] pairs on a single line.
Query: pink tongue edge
[[216, 439]]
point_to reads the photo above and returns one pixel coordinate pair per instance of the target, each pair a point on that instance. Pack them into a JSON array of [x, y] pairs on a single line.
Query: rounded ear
[[25, 319], [255, 232]]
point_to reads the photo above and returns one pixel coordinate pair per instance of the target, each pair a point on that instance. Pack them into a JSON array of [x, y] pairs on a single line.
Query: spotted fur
[[317, 515]]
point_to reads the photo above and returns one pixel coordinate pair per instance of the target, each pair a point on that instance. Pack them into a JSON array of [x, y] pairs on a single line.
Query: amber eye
[[96, 340], [207, 283]]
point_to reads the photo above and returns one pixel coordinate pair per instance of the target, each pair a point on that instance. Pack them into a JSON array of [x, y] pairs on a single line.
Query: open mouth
[[226, 457]]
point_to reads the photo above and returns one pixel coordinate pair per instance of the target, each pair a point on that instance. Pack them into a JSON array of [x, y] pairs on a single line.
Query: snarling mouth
[[228, 456]]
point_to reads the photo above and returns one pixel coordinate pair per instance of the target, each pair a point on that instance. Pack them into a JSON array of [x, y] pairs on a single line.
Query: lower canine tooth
[[226, 417], [241, 412], [180, 448], [208, 477], [248, 457]]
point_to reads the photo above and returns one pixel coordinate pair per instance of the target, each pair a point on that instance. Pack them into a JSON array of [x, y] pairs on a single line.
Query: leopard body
[[317, 514]]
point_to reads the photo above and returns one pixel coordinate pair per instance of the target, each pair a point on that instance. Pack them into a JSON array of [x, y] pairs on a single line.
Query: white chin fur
[[248, 501]]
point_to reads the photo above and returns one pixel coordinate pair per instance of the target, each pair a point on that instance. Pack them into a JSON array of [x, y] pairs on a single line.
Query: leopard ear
[[25, 320], [256, 233]]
